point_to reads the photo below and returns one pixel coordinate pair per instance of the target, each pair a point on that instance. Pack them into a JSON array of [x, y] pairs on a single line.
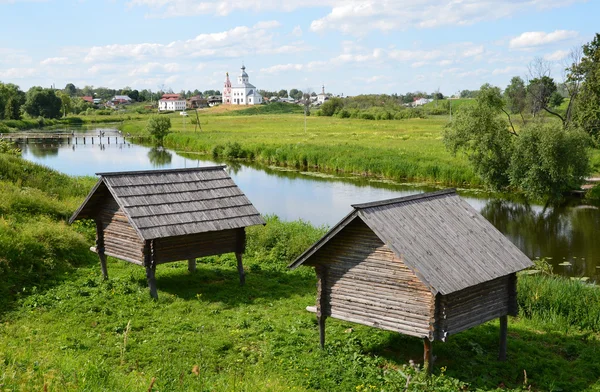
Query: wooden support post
[[240, 268], [240, 249], [321, 303], [150, 268], [427, 355], [100, 248], [192, 265], [503, 335], [84, 140]]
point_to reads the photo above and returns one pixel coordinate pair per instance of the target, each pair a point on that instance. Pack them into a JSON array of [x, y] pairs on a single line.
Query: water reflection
[[159, 157], [561, 233]]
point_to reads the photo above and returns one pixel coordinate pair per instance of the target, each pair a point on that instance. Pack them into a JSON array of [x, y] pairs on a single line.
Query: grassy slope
[[397, 149], [207, 333]]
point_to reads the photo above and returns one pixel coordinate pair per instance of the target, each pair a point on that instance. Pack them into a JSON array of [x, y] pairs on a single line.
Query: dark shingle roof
[[165, 203], [446, 242]]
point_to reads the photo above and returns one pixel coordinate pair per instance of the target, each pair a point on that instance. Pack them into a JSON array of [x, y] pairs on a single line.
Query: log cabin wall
[[197, 245], [366, 283], [476, 305], [120, 238]]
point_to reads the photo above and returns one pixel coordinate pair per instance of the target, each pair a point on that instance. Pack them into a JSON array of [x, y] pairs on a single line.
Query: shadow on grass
[[221, 283], [544, 360]]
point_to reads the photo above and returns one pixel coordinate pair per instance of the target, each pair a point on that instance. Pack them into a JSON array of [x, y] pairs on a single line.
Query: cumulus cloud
[[17, 73], [14, 57], [508, 70], [55, 61], [532, 39], [556, 56], [235, 42], [356, 16], [297, 31]]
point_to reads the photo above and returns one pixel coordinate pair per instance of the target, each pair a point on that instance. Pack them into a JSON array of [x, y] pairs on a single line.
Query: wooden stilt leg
[[150, 277], [503, 335], [102, 258], [321, 320], [240, 268], [192, 265], [427, 355]]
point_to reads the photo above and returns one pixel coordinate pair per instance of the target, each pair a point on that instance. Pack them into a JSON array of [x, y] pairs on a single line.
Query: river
[[564, 235]]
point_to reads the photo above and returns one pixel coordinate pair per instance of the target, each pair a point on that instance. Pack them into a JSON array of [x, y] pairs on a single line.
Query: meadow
[[408, 150], [63, 328]]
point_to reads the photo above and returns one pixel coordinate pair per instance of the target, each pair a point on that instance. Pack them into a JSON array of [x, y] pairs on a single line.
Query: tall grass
[[560, 301]]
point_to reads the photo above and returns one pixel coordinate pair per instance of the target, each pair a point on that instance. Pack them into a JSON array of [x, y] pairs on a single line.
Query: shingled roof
[[166, 203], [445, 241]]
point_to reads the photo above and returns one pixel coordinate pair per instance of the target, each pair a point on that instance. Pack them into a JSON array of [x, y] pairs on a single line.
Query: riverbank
[[63, 328], [400, 150], [410, 150]]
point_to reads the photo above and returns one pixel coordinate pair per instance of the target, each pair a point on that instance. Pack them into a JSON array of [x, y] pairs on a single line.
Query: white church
[[243, 93]]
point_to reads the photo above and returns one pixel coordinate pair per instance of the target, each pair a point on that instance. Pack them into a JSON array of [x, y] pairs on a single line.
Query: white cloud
[[282, 68], [17, 73], [235, 42], [539, 38], [55, 61], [556, 56], [14, 57], [297, 31], [359, 16], [508, 70]]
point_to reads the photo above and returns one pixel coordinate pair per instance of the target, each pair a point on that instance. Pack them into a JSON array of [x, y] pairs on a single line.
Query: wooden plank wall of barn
[[120, 238], [364, 282], [198, 245], [476, 305]]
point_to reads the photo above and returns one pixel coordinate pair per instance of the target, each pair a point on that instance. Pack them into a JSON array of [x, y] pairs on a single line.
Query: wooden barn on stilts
[[159, 216], [427, 265]]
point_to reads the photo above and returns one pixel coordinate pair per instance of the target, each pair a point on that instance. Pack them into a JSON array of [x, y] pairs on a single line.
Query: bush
[[332, 106], [233, 151], [367, 116], [159, 127], [343, 114]]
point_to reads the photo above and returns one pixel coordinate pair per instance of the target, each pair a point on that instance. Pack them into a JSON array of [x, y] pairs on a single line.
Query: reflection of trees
[[42, 150], [559, 232], [159, 157]]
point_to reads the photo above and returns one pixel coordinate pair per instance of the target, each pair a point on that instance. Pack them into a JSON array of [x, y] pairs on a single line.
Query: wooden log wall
[[367, 284], [120, 238], [476, 305], [197, 245]]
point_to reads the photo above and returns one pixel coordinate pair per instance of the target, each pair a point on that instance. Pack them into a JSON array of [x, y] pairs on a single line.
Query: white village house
[[243, 93], [173, 102]]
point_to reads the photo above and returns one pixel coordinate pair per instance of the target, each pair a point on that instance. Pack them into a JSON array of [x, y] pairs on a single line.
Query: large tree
[[587, 108], [70, 89], [543, 160], [42, 102], [11, 100], [516, 96]]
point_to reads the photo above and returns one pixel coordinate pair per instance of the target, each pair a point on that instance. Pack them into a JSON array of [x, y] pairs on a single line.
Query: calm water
[[565, 234]]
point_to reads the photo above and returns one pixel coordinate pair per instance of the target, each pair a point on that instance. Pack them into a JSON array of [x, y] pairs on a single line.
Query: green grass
[[63, 328], [395, 149]]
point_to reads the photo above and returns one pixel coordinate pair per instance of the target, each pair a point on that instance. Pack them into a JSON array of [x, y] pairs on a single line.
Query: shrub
[[367, 116], [332, 106], [343, 114], [233, 151]]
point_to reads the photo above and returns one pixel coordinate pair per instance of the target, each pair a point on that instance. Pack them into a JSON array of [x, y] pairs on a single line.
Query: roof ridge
[[139, 172], [403, 199]]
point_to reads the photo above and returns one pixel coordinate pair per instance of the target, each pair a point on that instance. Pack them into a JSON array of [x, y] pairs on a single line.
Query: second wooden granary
[[427, 265], [159, 216]]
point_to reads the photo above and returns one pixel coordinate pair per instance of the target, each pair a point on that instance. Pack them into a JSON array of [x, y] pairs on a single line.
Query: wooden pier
[[69, 138]]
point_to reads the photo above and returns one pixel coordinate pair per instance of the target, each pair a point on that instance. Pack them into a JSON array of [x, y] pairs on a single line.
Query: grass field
[[62, 328], [396, 149]]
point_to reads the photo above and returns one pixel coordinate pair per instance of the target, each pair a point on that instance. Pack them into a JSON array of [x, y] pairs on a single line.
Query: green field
[[397, 149], [62, 328]]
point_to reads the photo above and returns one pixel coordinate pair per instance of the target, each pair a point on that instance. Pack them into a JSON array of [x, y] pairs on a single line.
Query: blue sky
[[353, 47]]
